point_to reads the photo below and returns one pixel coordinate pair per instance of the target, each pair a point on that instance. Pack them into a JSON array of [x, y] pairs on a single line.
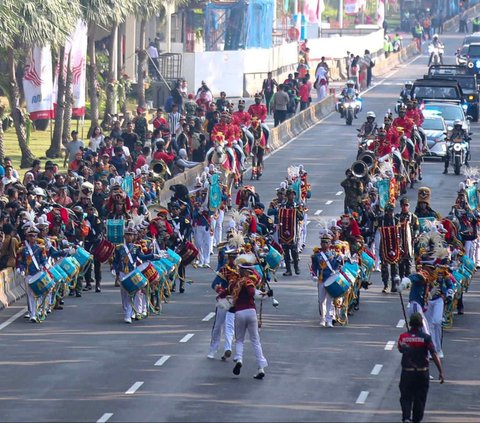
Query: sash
[[128, 254], [383, 187], [472, 197], [127, 185], [297, 187], [34, 259], [406, 239]]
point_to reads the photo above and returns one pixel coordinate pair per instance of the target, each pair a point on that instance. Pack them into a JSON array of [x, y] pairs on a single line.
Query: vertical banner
[[380, 13], [351, 7], [78, 62], [37, 83]]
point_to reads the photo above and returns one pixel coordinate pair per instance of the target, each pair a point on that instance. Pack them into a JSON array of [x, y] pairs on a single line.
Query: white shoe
[[211, 356], [377, 269], [329, 325], [33, 319], [441, 355], [260, 374], [26, 316], [127, 320], [322, 322]]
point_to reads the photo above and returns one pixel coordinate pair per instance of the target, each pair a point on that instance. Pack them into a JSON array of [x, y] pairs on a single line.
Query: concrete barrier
[[11, 287], [454, 23], [385, 65]]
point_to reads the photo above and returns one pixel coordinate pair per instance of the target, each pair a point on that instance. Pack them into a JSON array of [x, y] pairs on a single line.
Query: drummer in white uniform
[[324, 263]]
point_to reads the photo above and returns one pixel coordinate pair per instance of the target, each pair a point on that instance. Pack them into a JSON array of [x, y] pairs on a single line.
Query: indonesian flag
[[380, 12], [312, 10], [37, 83]]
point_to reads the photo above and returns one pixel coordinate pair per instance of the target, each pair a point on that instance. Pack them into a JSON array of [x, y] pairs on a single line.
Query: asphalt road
[[85, 364]]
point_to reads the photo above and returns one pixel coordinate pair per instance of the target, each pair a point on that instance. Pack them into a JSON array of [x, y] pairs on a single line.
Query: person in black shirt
[[415, 345], [129, 137]]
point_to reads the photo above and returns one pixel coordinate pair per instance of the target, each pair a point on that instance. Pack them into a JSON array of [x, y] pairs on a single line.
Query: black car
[[437, 89], [466, 80], [473, 58]]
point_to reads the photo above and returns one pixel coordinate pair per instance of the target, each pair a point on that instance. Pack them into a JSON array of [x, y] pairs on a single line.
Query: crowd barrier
[[454, 23], [11, 287]]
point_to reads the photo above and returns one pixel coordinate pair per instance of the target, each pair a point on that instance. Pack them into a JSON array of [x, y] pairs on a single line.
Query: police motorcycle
[[350, 104], [458, 149], [436, 50]]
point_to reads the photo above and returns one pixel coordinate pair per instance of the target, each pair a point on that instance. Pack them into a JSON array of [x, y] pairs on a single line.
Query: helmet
[[435, 37], [408, 83], [350, 82], [371, 114], [457, 122]]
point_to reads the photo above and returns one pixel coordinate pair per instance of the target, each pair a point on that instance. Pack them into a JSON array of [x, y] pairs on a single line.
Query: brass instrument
[[160, 168], [359, 169], [368, 157]]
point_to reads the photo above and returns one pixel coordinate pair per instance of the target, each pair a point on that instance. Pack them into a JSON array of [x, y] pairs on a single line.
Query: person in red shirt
[[243, 120], [225, 128], [414, 114], [159, 122], [380, 145], [259, 111], [142, 158], [392, 133], [404, 122], [161, 154], [304, 94]]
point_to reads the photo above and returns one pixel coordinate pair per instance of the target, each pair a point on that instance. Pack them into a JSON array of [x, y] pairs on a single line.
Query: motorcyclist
[[348, 91], [368, 128], [457, 133], [406, 91], [436, 44]]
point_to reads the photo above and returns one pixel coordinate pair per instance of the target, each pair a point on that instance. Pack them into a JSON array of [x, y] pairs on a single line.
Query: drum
[[336, 285], [163, 266], [150, 272], [70, 266], [41, 283], [188, 252], [61, 271], [82, 256], [469, 264], [273, 258], [277, 246], [368, 262], [459, 277], [259, 271], [103, 251], [56, 273], [173, 257], [351, 271], [134, 281], [115, 230]]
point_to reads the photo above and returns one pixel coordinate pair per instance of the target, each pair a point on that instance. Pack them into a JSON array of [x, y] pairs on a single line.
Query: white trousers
[[321, 92], [202, 241], [226, 321], [246, 320], [32, 301], [325, 304], [303, 230], [218, 228], [470, 249], [414, 307], [140, 302], [126, 302], [434, 316], [476, 254], [376, 248]]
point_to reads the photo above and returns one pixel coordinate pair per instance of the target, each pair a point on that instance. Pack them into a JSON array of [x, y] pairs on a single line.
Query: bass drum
[[103, 251], [188, 252]]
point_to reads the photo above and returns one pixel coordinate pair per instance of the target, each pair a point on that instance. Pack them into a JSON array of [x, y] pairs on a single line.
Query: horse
[[258, 150], [225, 160]]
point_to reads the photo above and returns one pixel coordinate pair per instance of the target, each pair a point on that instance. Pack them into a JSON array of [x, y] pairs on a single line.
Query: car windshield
[[433, 124], [449, 93], [447, 112], [466, 83], [474, 50]]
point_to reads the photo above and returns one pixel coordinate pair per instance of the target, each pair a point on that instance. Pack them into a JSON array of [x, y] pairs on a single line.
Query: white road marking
[[376, 369], [389, 346], [362, 397], [208, 316], [134, 388], [401, 323], [318, 212], [187, 337], [105, 418], [339, 193], [162, 360], [10, 320], [308, 222], [329, 202]]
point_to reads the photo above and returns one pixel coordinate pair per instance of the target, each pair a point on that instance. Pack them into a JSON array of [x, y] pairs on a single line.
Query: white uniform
[[223, 320]]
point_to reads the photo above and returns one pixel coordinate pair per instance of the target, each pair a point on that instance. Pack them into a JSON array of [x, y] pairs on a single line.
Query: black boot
[[295, 265], [288, 271], [445, 171]]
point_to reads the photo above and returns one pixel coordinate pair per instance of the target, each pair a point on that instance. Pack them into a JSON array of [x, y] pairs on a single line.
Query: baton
[[403, 309]]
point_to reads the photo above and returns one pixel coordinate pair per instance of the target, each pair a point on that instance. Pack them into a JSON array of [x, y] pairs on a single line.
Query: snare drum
[[41, 283], [273, 258], [134, 281], [70, 266], [188, 252], [150, 272], [56, 273], [368, 262], [104, 250], [351, 271], [173, 257], [469, 264], [336, 285], [82, 256], [115, 230]]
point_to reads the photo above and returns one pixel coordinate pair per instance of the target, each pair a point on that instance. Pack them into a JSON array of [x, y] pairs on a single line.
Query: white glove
[[72, 251], [405, 284], [259, 295], [450, 293]]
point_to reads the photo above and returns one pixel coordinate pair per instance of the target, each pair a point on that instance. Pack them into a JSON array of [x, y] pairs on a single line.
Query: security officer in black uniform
[[415, 345], [406, 217], [290, 250]]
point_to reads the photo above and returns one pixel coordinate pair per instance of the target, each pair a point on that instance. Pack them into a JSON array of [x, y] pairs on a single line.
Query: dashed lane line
[[162, 360], [208, 316], [362, 397], [329, 202], [105, 417], [187, 337], [401, 323], [376, 369], [318, 212], [339, 193], [389, 346], [134, 388]]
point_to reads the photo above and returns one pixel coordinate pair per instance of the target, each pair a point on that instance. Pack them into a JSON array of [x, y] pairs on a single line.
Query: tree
[[30, 23]]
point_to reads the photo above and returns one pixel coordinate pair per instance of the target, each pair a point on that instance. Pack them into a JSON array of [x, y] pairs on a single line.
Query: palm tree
[[31, 23]]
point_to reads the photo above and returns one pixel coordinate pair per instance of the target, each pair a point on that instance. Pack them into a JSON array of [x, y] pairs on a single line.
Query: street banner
[[312, 10], [380, 13], [37, 83], [78, 63]]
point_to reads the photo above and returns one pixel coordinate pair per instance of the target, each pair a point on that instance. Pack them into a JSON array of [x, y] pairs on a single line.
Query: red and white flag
[[37, 83], [312, 10], [380, 13]]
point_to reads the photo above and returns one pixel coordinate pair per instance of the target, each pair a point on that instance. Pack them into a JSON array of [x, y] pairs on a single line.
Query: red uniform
[[393, 138], [226, 129], [259, 111], [380, 147], [405, 123], [416, 115], [242, 118]]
